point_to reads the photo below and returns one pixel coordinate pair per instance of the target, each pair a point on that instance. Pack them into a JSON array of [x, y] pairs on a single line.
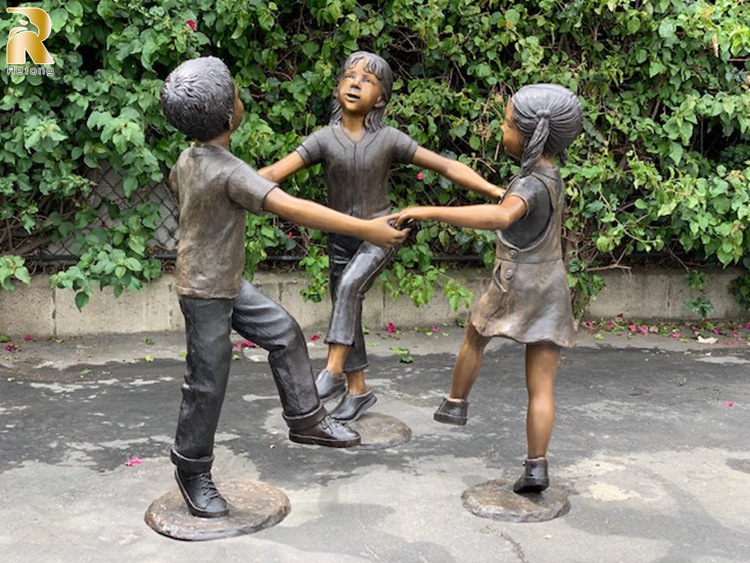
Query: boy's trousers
[[208, 324]]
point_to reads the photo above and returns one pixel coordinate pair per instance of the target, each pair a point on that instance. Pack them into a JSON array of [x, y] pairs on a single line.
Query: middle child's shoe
[[352, 407], [326, 432], [329, 386]]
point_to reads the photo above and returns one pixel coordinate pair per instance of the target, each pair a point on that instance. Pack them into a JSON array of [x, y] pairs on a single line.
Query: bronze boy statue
[[215, 190], [357, 150], [529, 299]]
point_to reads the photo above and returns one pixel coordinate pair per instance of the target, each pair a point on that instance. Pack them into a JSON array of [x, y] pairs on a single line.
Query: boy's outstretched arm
[[282, 169], [307, 213], [457, 172], [486, 216]]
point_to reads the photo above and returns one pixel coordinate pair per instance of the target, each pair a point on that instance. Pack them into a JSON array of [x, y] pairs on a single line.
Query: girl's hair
[[548, 117], [198, 98], [376, 66]]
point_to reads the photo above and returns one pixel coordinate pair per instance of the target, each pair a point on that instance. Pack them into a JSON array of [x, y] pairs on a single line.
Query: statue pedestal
[[495, 499], [253, 506], [381, 431]]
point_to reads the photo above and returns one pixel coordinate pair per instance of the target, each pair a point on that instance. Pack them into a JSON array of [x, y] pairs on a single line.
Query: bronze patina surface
[[495, 499], [253, 506], [380, 431]]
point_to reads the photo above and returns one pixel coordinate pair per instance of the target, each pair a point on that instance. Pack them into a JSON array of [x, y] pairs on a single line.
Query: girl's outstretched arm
[[282, 169], [457, 172], [486, 216]]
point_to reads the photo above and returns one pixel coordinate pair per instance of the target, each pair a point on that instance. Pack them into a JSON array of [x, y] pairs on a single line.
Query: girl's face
[[512, 139], [359, 91]]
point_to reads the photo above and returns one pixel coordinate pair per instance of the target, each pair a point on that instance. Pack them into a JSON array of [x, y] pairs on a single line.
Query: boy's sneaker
[[201, 495]]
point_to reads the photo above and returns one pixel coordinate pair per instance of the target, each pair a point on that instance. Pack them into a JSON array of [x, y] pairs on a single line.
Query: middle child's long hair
[[376, 66]]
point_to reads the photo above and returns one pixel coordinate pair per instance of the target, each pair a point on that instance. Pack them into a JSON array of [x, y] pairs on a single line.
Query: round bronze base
[[381, 431], [253, 506], [495, 499]]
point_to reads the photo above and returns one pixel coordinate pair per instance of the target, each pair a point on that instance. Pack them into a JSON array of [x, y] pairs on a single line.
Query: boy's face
[[512, 138], [239, 110], [359, 91]]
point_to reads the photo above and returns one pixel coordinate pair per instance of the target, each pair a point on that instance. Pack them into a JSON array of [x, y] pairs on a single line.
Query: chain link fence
[[108, 193]]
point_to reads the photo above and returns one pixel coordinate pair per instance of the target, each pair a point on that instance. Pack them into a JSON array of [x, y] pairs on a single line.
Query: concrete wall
[[41, 311]]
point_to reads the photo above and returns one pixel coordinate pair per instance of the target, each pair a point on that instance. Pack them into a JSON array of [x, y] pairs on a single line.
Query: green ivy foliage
[[662, 167]]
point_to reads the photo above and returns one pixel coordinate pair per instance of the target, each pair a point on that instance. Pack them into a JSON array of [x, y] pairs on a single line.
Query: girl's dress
[[529, 298]]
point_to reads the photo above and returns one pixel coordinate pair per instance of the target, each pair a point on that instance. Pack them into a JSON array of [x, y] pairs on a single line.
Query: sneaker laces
[[207, 485], [330, 423]]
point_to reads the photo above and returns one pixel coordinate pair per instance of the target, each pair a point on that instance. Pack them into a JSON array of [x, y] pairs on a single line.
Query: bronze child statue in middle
[[357, 150]]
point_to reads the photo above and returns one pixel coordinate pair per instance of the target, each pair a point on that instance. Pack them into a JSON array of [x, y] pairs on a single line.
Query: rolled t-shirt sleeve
[[404, 147], [311, 149], [249, 189], [533, 192]]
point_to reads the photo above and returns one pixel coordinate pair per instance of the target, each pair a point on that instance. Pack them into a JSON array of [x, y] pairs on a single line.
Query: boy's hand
[[380, 231]]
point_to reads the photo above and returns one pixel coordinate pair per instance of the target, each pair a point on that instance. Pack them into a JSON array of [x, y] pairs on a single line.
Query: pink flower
[[248, 344], [589, 324], [610, 325], [192, 25], [420, 176], [237, 347], [620, 315], [133, 462], [747, 326], [643, 329], [11, 348], [632, 328], [729, 403], [391, 328], [717, 331], [315, 337], [435, 328], [676, 335], [103, 224], [27, 338]]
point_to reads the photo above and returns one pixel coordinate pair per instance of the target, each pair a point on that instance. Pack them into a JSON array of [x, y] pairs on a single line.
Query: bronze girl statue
[[528, 299]]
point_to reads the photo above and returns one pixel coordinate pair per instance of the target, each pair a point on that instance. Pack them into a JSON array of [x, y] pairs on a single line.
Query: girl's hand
[[496, 193], [411, 214]]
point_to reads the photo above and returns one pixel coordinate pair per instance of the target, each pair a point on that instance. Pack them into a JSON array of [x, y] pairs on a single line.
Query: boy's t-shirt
[[215, 188], [357, 172]]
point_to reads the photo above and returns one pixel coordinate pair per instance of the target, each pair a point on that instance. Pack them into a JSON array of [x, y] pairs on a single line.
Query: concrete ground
[[651, 443]]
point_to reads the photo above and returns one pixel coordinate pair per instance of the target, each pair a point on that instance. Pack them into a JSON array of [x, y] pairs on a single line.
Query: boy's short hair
[[198, 98]]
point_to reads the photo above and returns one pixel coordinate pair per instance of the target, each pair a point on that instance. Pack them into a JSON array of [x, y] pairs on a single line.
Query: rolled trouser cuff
[[305, 421], [190, 465]]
